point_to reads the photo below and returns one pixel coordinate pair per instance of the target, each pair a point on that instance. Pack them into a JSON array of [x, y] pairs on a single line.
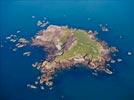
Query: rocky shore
[[67, 47]]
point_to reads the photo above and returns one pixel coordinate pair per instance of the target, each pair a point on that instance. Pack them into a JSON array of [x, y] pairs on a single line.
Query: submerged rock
[[42, 87], [33, 17], [18, 31], [1, 46], [119, 60], [31, 86], [15, 49], [95, 73], [36, 82], [113, 61], [27, 53]]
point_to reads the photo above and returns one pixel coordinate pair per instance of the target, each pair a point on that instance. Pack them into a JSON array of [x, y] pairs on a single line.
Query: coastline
[[53, 63]]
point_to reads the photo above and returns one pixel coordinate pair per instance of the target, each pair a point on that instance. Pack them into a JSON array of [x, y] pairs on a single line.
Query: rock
[[50, 88], [28, 85], [21, 43], [44, 63], [14, 49], [104, 28], [18, 45], [49, 83], [38, 67], [39, 23], [95, 33], [79, 60], [41, 81], [26, 53], [113, 49], [45, 18], [35, 64], [33, 17], [38, 78], [100, 25], [90, 31], [58, 46], [42, 87], [8, 37], [13, 40], [129, 53], [95, 73], [108, 71], [119, 60], [59, 53], [36, 82], [18, 31], [112, 61], [31, 86], [44, 24]]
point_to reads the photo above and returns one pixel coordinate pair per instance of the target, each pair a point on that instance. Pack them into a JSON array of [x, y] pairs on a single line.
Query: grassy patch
[[85, 45]]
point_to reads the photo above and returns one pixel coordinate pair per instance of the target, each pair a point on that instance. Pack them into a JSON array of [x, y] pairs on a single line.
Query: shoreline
[[50, 66]]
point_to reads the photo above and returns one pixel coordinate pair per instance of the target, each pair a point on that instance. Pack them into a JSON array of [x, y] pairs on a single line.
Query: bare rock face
[[48, 36], [49, 39]]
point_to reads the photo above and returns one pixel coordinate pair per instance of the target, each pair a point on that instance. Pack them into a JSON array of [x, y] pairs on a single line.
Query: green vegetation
[[84, 45], [67, 33]]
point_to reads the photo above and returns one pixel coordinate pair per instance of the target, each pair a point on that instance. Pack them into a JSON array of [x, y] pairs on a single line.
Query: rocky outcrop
[[50, 40]]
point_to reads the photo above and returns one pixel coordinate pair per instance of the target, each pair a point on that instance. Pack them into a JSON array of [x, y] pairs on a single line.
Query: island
[[67, 47]]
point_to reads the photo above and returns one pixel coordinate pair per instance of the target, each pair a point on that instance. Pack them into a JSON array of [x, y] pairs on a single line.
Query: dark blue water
[[77, 84]]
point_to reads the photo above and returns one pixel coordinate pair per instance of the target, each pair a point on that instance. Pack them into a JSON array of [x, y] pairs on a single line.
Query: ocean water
[[79, 83]]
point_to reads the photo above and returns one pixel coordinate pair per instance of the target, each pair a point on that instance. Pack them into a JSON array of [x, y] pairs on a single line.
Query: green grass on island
[[84, 45]]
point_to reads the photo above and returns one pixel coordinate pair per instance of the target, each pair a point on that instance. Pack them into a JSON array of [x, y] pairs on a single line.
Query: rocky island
[[67, 47]]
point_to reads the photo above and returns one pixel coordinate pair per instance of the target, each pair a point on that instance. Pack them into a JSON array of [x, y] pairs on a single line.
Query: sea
[[16, 70]]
